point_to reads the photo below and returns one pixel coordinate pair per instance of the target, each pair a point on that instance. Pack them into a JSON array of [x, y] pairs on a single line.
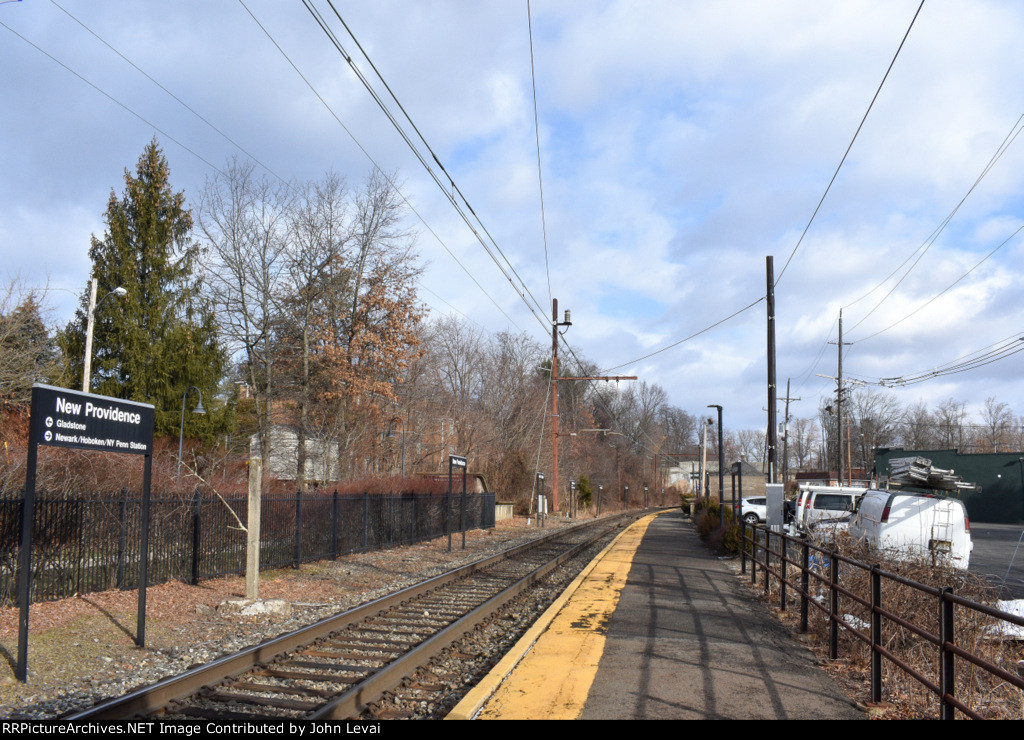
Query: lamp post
[[181, 432], [90, 322], [391, 433], [721, 458]]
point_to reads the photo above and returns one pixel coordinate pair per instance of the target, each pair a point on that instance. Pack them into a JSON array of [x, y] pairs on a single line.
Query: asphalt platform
[[657, 627]]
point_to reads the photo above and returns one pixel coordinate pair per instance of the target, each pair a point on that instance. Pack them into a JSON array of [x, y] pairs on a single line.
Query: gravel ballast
[[82, 650]]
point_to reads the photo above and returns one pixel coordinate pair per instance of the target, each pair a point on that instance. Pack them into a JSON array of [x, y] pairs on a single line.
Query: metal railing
[[821, 577], [88, 543]]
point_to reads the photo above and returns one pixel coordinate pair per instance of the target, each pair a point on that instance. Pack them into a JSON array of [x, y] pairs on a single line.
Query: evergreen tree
[[161, 338], [28, 352]]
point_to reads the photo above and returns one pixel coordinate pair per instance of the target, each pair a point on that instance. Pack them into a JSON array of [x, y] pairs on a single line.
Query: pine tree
[[161, 338], [28, 352]]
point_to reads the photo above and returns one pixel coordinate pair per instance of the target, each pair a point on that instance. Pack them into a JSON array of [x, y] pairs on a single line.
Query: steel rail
[[150, 699], [359, 697]]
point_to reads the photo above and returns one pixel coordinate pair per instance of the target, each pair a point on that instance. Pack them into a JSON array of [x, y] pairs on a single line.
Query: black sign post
[[85, 421], [454, 461]]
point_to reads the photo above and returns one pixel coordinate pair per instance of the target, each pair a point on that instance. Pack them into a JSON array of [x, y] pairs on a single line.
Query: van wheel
[[751, 518]]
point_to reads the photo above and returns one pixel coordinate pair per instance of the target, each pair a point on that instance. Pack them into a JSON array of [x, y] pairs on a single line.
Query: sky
[[681, 143]]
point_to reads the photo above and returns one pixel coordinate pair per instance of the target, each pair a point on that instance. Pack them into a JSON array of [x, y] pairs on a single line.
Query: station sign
[[65, 418]]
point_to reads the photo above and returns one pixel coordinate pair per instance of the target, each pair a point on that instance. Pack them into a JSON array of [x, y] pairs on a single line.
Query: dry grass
[[974, 632]]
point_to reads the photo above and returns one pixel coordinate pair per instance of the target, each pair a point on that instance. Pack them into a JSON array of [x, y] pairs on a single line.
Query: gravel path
[[81, 649]]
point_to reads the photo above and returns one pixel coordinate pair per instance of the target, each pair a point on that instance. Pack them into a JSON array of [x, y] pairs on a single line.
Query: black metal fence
[[921, 634], [88, 543]]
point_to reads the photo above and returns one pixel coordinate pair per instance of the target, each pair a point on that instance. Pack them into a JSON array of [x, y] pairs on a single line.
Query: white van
[[820, 503], [916, 525]]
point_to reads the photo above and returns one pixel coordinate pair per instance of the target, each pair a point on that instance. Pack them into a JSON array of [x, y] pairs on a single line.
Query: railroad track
[[340, 667]]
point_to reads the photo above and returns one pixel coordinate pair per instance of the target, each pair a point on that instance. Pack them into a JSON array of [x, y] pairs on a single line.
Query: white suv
[[754, 510]]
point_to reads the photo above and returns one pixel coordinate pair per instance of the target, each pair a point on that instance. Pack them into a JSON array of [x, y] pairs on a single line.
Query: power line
[[848, 148], [113, 99], [503, 264], [536, 128], [685, 339], [944, 290], [181, 102], [971, 361], [376, 166], [1015, 130]]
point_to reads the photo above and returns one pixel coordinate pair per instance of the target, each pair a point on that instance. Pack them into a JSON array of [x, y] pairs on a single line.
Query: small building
[[282, 463], [999, 477], [857, 477]]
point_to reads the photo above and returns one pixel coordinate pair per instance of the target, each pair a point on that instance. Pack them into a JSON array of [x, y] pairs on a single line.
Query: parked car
[[819, 503], [754, 510], [915, 525]]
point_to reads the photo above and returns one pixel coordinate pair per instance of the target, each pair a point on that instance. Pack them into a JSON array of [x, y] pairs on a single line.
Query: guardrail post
[[805, 584], [876, 635], [833, 606], [947, 664]]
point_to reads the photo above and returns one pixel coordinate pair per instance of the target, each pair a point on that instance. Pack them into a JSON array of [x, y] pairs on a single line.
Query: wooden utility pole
[[839, 399], [554, 394], [772, 400], [785, 435], [554, 402], [252, 530]]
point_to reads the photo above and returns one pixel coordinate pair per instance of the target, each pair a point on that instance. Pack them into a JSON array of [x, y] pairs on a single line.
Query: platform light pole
[[89, 325], [181, 432], [721, 458]]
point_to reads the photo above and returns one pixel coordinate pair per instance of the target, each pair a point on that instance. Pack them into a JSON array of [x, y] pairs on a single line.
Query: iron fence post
[[782, 571], [743, 545], [947, 659], [876, 635], [334, 525], [122, 535], [805, 584], [298, 528], [833, 606], [755, 543], [197, 522], [767, 557]]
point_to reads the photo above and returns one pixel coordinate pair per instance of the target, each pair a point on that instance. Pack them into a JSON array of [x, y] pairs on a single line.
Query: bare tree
[[876, 416], [803, 435], [917, 427], [951, 424], [998, 422], [244, 221]]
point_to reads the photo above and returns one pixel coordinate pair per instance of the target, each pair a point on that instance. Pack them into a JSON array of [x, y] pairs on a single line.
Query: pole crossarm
[[597, 377]]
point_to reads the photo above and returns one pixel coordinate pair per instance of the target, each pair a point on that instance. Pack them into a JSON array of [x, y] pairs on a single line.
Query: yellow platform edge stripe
[[553, 682]]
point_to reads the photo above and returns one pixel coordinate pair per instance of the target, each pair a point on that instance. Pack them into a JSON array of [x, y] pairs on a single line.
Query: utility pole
[[554, 401], [566, 322], [785, 435], [772, 401], [839, 398]]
